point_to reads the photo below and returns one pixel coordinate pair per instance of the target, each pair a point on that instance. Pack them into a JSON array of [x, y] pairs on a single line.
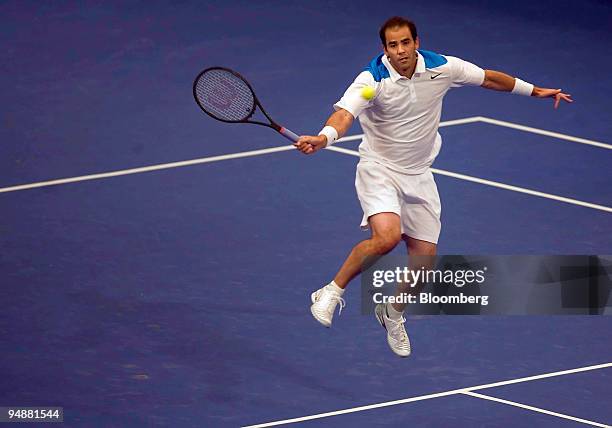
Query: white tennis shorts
[[413, 197]]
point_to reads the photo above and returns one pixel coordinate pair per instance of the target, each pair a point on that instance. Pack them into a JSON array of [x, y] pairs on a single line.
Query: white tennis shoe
[[324, 303], [397, 338]]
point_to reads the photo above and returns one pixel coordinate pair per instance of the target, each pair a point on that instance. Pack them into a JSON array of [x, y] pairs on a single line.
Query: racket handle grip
[[288, 134]]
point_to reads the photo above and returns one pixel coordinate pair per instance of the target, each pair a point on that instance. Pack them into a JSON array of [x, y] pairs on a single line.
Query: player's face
[[401, 49]]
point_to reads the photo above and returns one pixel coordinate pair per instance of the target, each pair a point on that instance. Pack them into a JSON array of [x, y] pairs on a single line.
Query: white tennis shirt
[[400, 123]]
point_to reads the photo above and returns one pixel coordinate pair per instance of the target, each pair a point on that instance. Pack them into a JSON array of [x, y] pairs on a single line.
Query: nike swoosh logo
[[433, 77]]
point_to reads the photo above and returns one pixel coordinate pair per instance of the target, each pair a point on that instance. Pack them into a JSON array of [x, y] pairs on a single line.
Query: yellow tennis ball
[[368, 92]]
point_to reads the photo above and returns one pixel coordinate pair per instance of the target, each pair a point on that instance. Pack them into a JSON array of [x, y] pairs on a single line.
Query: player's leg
[[421, 255], [380, 200], [386, 233], [420, 215]]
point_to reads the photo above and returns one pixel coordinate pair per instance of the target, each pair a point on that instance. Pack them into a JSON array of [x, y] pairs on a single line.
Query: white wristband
[[522, 88], [331, 134]]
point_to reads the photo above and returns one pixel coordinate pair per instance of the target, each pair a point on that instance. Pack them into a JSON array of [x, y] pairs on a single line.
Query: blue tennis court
[[156, 265]]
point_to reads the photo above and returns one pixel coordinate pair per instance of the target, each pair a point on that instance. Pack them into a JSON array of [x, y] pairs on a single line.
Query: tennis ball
[[368, 92]]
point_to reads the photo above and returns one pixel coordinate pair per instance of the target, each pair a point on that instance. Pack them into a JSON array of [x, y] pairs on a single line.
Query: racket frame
[[285, 132]]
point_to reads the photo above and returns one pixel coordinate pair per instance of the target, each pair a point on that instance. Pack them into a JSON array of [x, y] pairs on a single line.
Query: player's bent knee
[[385, 243]]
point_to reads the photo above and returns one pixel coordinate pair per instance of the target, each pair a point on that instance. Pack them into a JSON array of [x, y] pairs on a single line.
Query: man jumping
[[394, 182]]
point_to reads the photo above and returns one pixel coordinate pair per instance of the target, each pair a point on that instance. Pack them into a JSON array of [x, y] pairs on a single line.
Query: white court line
[[146, 169], [497, 184], [427, 397], [473, 119], [535, 409], [543, 132], [512, 125], [187, 163]]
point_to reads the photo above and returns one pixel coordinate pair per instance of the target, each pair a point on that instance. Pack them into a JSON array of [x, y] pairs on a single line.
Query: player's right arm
[[347, 109], [341, 120]]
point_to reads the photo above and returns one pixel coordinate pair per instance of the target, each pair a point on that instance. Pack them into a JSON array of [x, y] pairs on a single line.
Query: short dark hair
[[397, 21]]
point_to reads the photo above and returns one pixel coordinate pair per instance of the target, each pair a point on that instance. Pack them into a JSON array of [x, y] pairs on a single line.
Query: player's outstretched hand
[[557, 94], [309, 144]]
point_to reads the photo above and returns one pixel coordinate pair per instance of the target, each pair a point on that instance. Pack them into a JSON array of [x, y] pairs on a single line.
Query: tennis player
[[394, 182]]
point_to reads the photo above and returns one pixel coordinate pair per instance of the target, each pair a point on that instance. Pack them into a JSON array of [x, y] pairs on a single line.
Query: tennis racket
[[225, 95]]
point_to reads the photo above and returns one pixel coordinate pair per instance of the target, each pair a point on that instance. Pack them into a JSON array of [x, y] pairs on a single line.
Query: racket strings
[[224, 95]]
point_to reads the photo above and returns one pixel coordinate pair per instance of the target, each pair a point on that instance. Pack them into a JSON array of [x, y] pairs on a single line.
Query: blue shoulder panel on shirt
[[377, 68], [432, 59]]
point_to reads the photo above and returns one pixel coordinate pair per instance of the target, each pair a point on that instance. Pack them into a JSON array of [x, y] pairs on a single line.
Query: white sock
[[392, 313], [334, 287]]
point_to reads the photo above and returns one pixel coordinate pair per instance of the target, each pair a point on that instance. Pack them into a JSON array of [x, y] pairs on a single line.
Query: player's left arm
[[499, 81]]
